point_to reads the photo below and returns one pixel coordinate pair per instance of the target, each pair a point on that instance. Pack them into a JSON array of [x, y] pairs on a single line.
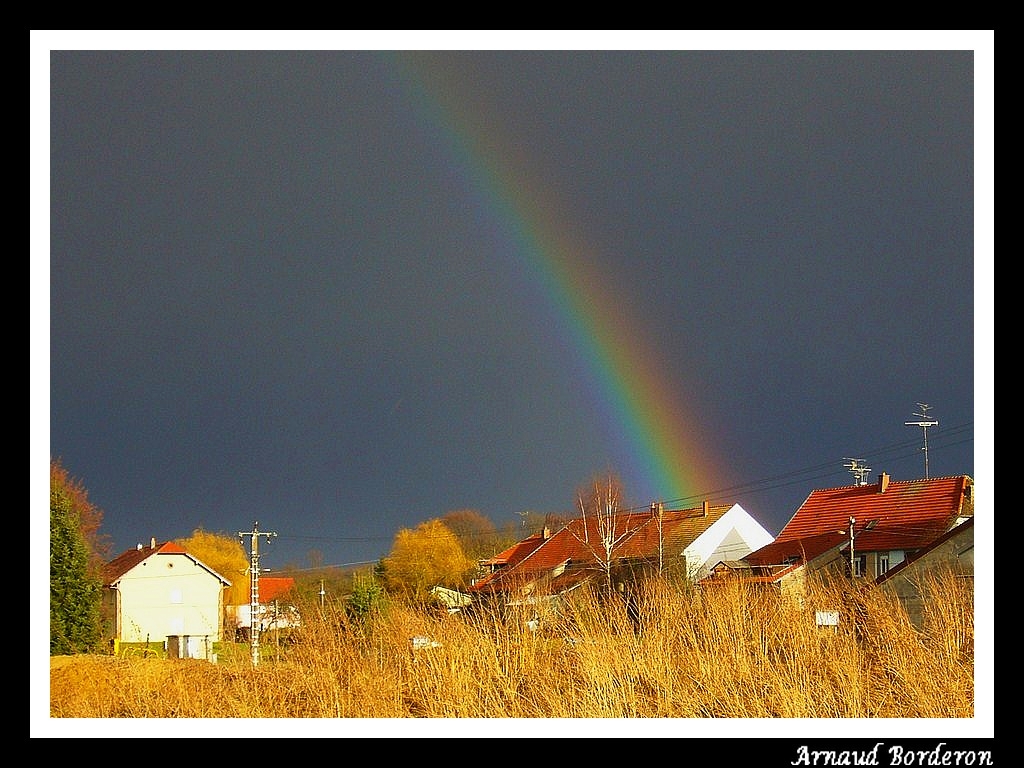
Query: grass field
[[727, 652]]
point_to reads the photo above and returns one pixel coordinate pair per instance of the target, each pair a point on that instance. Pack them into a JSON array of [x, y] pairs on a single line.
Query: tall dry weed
[[664, 650]]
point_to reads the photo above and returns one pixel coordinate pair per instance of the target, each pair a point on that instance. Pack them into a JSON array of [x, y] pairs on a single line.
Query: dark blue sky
[[295, 287], [319, 288]]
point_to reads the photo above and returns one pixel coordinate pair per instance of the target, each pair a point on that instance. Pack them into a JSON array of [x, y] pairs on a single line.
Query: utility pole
[[254, 586], [277, 634], [924, 423], [658, 510], [853, 535]]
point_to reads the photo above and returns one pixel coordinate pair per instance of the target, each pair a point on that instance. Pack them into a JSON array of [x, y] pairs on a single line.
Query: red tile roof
[[792, 551], [908, 515], [636, 536], [273, 587], [518, 551], [127, 560]]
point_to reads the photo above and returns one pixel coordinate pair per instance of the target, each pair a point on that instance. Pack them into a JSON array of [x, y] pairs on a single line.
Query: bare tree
[[474, 530], [316, 558], [599, 504]]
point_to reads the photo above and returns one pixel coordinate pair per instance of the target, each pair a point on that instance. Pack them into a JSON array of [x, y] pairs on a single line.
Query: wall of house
[[274, 615], [956, 556], [732, 537], [874, 562], [168, 595]]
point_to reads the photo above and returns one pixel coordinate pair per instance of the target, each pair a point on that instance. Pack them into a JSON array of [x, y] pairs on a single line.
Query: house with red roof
[[160, 594], [871, 528], [616, 549], [275, 609]]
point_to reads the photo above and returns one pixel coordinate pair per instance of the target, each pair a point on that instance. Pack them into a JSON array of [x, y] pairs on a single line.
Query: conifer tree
[[75, 588]]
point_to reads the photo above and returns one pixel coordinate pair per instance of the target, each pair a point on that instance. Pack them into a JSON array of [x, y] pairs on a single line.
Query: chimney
[[657, 509], [152, 543], [707, 506], [883, 482], [139, 546], [546, 533]]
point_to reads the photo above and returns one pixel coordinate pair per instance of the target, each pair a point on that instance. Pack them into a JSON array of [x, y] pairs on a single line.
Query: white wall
[[733, 536], [168, 594]]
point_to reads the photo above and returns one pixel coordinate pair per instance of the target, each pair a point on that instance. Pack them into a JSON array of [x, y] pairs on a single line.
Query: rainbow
[[668, 457]]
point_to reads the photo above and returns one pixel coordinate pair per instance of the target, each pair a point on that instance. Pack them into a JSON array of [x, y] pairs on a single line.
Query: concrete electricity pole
[[853, 535], [254, 587]]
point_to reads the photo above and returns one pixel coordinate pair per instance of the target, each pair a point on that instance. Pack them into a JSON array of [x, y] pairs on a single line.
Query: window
[[883, 562], [860, 565]]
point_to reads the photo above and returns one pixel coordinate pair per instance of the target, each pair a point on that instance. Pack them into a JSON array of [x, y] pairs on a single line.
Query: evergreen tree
[[75, 590], [368, 599]]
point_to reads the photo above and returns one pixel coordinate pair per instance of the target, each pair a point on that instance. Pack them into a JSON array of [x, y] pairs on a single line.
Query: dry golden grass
[[678, 652]]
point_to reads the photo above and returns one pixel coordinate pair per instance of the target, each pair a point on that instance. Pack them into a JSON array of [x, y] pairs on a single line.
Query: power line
[[903, 449], [948, 437]]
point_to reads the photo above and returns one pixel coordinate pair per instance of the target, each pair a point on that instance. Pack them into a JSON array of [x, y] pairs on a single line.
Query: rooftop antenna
[[924, 423], [859, 470]]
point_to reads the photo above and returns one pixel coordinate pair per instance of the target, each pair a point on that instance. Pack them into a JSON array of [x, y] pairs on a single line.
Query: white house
[[274, 610], [732, 536], [161, 594]]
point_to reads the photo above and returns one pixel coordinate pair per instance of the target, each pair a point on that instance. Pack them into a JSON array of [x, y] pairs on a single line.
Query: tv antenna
[[859, 470], [924, 423]]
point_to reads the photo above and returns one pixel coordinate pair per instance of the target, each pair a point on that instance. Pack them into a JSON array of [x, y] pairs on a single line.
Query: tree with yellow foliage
[[429, 555], [225, 555]]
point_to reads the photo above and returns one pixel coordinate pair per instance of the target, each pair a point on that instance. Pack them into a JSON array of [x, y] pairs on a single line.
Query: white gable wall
[[732, 537], [168, 595]]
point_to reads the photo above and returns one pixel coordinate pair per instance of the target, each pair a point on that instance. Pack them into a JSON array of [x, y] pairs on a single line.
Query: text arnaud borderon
[[896, 754]]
